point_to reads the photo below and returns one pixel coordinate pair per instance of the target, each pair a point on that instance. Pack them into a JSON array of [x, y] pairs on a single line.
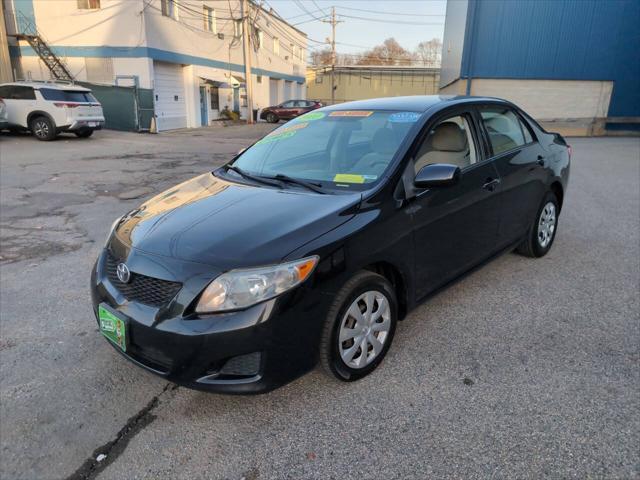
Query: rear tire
[[372, 324], [543, 230], [43, 128], [272, 118], [84, 133]]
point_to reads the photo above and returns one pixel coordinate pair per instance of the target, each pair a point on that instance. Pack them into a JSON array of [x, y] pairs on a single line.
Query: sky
[[408, 21]]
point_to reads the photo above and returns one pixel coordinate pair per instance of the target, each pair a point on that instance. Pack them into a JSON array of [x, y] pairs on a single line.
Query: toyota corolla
[[312, 244]]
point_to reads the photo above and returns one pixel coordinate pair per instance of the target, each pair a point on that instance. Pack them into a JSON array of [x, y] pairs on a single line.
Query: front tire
[[43, 129], [84, 133], [359, 328], [542, 232], [272, 118]]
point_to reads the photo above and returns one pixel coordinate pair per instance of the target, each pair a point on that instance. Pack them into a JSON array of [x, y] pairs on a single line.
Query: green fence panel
[[145, 108], [125, 108]]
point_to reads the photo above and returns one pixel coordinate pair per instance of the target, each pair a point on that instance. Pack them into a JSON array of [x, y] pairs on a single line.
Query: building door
[[288, 87], [273, 92], [204, 107], [214, 93], [236, 99], [168, 86]]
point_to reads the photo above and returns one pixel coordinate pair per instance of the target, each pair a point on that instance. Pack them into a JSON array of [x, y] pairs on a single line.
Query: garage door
[[171, 108], [288, 90], [274, 98]]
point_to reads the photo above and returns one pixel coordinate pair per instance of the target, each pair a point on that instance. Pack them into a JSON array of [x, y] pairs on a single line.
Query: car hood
[[229, 225]]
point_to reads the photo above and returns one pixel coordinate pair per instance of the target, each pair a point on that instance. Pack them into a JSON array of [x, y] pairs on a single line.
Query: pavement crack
[[111, 450]]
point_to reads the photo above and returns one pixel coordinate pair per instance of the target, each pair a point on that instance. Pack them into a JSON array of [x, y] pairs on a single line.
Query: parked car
[[3, 115], [47, 108], [314, 242], [288, 110]]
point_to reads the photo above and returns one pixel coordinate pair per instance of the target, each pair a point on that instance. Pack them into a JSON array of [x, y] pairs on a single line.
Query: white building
[[188, 51]]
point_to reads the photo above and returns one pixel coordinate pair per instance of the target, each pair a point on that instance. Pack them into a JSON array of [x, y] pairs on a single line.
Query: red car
[[288, 110]]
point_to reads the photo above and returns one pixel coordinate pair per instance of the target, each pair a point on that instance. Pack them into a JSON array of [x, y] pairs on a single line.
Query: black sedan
[[314, 242]]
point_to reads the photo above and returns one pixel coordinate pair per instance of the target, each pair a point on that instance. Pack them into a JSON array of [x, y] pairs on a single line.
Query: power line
[[304, 9], [392, 13], [382, 20], [318, 7]]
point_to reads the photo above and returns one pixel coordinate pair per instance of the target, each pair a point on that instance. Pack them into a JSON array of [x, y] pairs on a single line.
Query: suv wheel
[[359, 327], [43, 128], [84, 133]]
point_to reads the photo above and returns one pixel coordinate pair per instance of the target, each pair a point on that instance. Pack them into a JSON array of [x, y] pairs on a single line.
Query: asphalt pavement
[[524, 369]]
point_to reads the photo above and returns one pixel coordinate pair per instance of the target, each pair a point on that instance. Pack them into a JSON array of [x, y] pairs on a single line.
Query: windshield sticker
[[274, 138], [348, 178], [309, 117], [351, 113], [289, 128], [404, 117]]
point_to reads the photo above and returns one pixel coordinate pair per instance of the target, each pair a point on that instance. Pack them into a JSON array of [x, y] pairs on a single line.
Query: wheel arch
[[558, 191], [397, 279], [40, 113]]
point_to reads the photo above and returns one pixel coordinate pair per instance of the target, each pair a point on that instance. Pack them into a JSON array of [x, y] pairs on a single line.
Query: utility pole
[[246, 51], [333, 23]]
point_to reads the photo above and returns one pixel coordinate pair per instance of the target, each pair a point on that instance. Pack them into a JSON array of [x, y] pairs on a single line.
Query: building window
[[237, 28], [215, 98], [276, 46], [319, 79], [169, 8], [88, 4], [293, 51], [209, 19], [259, 78], [243, 100]]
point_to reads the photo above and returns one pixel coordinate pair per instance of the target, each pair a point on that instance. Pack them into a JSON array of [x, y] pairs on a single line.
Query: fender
[[39, 113]]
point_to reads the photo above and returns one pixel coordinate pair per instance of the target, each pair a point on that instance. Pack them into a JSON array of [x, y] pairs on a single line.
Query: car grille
[[140, 288]]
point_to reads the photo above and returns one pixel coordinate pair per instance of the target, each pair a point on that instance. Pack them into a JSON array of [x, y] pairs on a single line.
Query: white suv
[[48, 108]]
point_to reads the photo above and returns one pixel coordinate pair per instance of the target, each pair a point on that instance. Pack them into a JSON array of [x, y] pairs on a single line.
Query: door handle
[[491, 184], [541, 160]]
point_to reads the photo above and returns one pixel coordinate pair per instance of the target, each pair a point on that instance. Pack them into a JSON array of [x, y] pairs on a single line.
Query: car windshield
[[67, 95], [340, 148]]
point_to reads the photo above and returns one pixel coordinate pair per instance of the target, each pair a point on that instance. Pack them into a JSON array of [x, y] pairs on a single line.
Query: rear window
[[67, 95]]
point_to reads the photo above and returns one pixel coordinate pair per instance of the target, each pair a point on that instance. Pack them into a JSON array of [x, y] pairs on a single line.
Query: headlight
[[238, 289], [113, 227]]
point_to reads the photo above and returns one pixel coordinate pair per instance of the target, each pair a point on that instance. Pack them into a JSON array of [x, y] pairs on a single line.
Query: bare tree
[[321, 57], [389, 53], [430, 52]]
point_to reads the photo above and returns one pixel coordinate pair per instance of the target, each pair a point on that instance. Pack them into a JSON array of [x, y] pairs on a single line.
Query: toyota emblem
[[124, 275]]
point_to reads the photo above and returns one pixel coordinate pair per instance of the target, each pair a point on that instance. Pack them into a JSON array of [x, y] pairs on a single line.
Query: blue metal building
[[546, 43]]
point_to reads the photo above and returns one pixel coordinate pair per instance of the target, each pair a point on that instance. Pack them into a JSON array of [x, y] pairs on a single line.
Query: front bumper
[[249, 351]]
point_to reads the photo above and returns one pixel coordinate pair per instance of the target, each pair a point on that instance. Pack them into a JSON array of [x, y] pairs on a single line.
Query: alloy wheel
[[364, 329], [546, 224], [41, 129]]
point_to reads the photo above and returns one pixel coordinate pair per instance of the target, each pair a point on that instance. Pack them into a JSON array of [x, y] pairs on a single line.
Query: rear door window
[[66, 95], [505, 129]]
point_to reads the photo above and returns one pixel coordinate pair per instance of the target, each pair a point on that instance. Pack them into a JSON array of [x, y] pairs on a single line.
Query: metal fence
[[125, 108]]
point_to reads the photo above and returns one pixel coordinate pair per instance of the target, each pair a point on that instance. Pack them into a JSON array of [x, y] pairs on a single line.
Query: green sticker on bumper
[[113, 327]]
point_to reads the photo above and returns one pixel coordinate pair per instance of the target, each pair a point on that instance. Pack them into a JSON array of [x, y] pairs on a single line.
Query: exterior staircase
[[27, 31]]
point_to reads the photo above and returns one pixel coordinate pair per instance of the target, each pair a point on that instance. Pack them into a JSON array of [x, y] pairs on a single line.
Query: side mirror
[[437, 175]]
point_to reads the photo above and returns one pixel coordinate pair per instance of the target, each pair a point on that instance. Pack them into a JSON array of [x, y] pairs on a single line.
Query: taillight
[[570, 150], [66, 104]]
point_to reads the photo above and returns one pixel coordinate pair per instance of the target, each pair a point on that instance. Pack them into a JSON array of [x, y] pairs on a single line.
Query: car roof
[[52, 85], [416, 103]]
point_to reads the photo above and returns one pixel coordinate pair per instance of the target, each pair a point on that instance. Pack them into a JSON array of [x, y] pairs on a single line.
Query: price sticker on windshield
[[404, 117], [351, 113]]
